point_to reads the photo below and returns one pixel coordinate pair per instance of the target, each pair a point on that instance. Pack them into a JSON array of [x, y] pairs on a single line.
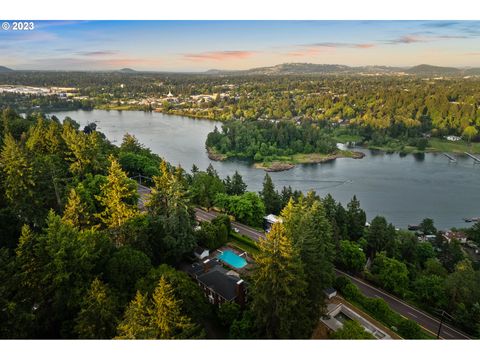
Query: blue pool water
[[232, 259]]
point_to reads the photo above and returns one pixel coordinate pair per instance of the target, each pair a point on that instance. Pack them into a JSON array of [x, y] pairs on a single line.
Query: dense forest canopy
[[387, 104], [80, 259], [259, 139]]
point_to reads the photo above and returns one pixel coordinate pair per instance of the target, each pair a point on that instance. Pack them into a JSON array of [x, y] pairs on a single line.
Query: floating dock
[[473, 157], [450, 157]]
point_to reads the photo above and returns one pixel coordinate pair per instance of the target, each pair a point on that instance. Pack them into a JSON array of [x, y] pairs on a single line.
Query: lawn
[[461, 146]]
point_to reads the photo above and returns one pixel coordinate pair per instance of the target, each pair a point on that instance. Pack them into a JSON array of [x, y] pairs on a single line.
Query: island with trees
[[275, 145]]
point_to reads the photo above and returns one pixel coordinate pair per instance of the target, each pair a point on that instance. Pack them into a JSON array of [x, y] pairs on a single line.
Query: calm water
[[403, 189]]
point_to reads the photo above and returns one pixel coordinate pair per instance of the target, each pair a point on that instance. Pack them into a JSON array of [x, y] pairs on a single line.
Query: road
[[425, 320]]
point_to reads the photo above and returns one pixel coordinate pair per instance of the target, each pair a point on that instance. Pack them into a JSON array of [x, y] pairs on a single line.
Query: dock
[[473, 157], [450, 157]]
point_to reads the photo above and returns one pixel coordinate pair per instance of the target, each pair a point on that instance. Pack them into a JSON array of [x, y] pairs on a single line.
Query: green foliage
[[157, 317], [235, 185], [390, 273], [119, 200], [211, 235], [97, 318], [55, 268], [270, 196], [380, 237], [171, 215], [307, 226], [379, 310], [204, 188], [278, 288], [228, 313], [17, 177], [356, 219], [193, 300], [429, 290], [259, 140], [247, 208], [427, 227], [125, 268], [351, 257], [352, 330]]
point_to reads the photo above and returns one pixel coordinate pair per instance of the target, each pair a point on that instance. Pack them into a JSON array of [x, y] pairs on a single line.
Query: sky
[[237, 45]]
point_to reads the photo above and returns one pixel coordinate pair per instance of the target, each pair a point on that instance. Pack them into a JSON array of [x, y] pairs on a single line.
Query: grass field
[[461, 146]]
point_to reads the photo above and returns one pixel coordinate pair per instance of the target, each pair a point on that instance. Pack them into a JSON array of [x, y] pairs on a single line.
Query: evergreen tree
[[307, 226], [158, 318], [169, 205], [379, 236], [166, 315], [356, 219], [279, 287], [270, 197], [97, 317], [17, 178], [235, 186], [119, 199], [75, 213], [136, 320]]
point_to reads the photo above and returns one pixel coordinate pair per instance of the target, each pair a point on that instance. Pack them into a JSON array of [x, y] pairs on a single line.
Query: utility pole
[[442, 318]]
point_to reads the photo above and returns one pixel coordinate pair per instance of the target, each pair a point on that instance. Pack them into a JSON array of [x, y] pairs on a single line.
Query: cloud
[[407, 39], [341, 45], [219, 55], [312, 51], [97, 53], [441, 24]]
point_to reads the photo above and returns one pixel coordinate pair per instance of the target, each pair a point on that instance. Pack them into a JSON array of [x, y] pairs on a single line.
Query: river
[[404, 189]]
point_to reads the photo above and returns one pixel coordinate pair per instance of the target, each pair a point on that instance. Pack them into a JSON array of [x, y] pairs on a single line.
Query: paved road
[[425, 320]]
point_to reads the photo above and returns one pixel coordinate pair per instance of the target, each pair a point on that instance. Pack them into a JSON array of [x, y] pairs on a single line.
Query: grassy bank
[[460, 146]]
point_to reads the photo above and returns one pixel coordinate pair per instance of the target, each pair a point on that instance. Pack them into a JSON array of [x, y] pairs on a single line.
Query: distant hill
[[307, 69], [127, 70], [430, 70], [4, 69]]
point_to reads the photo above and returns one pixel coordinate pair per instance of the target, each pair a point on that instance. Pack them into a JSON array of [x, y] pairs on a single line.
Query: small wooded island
[[275, 145]]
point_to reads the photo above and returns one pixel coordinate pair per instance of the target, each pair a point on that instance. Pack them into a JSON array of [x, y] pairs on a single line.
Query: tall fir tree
[[169, 206], [97, 318], [76, 212], [160, 317], [136, 320], [356, 219], [17, 178], [271, 198], [119, 199], [308, 227], [279, 288]]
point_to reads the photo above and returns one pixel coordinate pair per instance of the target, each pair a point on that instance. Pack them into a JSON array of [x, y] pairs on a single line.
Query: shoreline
[[292, 161], [440, 145]]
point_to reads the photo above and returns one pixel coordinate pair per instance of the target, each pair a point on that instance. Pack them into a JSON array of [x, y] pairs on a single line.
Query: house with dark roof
[[218, 284]]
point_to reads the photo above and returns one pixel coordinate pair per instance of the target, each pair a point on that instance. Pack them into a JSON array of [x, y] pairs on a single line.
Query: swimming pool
[[232, 259]]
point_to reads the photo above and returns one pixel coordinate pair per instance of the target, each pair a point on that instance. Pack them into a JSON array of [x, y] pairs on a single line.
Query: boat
[[474, 219], [413, 227]]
